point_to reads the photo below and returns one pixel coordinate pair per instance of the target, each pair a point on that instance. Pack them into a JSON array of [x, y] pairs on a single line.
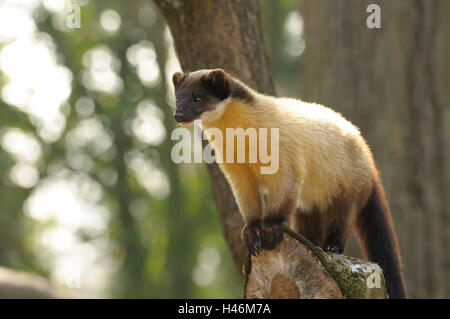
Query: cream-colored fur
[[322, 155], [214, 115]]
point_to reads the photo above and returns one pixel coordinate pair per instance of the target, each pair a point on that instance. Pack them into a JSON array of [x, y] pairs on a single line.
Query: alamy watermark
[[373, 271], [258, 149], [73, 20], [374, 19], [374, 279]]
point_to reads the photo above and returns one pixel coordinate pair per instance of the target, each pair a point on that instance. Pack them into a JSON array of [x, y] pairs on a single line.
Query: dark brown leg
[[274, 222], [336, 241], [311, 225], [339, 214], [327, 229], [252, 236], [272, 230]]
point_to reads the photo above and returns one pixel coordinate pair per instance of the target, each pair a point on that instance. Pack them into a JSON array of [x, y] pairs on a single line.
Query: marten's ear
[[218, 81], [176, 78]]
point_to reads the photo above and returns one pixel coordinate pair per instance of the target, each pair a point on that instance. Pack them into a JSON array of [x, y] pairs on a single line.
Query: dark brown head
[[200, 94]]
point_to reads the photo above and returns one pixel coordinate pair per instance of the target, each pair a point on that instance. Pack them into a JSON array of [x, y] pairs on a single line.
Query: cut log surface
[[297, 269]]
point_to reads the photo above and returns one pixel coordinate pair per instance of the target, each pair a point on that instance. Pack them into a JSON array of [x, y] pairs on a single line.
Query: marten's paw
[[251, 234], [272, 231], [335, 249]]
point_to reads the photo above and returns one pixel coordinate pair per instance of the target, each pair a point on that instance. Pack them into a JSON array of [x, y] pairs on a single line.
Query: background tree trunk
[[393, 83], [225, 34]]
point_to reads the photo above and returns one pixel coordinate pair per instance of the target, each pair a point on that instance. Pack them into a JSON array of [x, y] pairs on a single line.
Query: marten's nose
[[178, 116]]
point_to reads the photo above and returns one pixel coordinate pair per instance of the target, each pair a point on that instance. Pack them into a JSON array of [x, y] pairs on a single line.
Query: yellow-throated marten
[[326, 183]]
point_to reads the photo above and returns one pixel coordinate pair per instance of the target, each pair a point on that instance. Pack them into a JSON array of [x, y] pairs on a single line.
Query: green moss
[[352, 276], [350, 273]]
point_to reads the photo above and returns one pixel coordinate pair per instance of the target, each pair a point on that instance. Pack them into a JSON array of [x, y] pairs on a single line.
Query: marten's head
[[201, 95]]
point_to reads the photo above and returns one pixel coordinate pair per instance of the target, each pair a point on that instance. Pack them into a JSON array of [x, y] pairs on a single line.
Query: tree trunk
[[225, 34], [393, 83]]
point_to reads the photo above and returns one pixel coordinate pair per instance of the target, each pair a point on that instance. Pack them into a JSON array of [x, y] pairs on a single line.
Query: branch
[[297, 269]]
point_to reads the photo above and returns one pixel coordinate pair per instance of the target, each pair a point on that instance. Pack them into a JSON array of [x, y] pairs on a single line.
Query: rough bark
[[393, 83], [299, 270], [225, 34]]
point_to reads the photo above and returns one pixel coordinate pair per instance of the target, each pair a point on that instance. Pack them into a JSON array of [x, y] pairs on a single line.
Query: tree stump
[[297, 269]]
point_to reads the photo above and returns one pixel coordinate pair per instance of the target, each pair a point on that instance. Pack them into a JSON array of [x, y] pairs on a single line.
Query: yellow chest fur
[[321, 155]]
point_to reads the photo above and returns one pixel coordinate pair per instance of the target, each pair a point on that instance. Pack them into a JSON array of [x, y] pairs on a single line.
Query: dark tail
[[377, 237]]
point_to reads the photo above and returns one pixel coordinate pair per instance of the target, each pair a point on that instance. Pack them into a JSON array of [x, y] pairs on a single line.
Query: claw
[[254, 251], [334, 249], [251, 234]]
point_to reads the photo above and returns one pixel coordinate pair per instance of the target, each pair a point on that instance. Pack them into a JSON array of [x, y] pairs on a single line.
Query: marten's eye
[[196, 99]]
